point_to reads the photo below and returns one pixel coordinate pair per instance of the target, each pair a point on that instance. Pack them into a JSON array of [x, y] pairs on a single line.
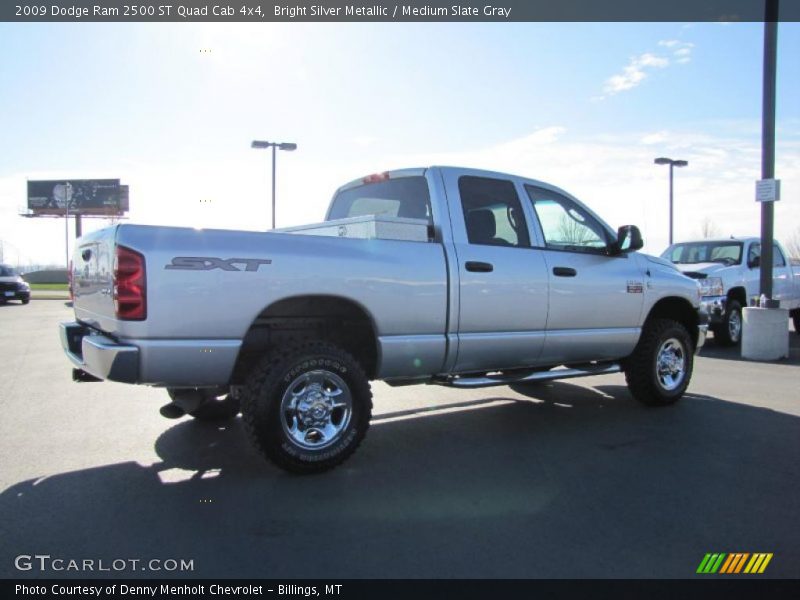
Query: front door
[[596, 300]]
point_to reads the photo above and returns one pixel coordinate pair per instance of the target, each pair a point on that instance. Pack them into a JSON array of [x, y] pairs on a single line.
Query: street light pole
[[288, 146], [273, 187], [672, 163], [67, 194], [768, 148]]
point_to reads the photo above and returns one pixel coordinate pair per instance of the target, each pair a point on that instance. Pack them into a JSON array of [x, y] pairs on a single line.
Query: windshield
[[6, 271], [728, 253]]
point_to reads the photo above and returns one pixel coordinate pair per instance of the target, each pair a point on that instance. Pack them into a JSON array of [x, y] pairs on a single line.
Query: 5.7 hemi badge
[[635, 287], [209, 263]]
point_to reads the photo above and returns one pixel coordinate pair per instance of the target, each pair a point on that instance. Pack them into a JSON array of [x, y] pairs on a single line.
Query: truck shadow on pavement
[[568, 482]]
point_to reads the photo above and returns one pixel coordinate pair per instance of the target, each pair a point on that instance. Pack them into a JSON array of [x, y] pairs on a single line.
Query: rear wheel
[[307, 409], [729, 332], [660, 367]]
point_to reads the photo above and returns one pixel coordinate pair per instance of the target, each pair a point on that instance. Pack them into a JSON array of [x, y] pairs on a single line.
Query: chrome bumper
[[702, 326], [99, 355], [714, 306]]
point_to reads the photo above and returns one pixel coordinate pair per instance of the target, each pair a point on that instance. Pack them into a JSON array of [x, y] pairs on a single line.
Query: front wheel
[[660, 367], [729, 332], [307, 409], [796, 321]]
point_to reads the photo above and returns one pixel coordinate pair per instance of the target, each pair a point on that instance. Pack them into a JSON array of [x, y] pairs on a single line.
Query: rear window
[[402, 197]]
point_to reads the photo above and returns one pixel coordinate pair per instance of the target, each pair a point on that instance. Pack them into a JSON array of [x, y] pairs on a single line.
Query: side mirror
[[754, 262], [629, 239]]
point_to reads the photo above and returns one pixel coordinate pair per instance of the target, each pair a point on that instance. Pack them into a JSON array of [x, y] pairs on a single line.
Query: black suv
[[12, 286]]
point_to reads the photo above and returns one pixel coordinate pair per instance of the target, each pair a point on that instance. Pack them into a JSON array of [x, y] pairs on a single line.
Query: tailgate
[[92, 277]]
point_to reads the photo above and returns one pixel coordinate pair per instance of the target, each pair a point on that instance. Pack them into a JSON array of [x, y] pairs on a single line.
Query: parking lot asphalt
[[566, 479]]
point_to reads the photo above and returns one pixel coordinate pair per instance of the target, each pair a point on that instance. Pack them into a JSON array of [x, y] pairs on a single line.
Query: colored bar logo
[[734, 563]]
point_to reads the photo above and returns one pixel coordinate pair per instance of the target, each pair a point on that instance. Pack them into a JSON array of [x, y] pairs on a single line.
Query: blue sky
[[585, 106]]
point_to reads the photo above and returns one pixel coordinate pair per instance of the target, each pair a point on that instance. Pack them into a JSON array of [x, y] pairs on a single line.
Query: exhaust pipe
[[82, 376], [171, 411], [184, 401]]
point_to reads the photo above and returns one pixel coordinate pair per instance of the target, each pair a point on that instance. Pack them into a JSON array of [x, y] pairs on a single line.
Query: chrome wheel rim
[[735, 325], [316, 408], [671, 364]]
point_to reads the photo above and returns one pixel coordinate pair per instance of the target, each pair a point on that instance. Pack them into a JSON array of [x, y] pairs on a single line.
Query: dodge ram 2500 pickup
[[729, 277], [437, 275]]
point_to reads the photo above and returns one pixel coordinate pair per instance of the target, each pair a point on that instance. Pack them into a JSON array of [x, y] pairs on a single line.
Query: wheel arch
[[739, 294], [337, 319], [677, 309]]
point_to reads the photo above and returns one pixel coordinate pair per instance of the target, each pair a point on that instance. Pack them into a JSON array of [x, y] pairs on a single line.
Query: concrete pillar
[[765, 333]]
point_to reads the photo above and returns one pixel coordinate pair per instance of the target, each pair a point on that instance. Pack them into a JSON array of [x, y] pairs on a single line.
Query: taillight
[[376, 178], [130, 285]]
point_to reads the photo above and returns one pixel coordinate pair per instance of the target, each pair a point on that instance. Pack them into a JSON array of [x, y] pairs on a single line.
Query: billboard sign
[[82, 196]]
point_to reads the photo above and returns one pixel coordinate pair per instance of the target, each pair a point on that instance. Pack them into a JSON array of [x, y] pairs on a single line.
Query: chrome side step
[[461, 381]]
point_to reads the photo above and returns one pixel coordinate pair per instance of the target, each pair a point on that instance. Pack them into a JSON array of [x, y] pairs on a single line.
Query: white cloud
[[613, 174], [616, 177], [634, 73], [681, 51], [654, 138], [364, 140]]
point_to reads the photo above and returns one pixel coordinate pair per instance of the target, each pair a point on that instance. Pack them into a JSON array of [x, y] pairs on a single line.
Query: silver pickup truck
[[437, 275]]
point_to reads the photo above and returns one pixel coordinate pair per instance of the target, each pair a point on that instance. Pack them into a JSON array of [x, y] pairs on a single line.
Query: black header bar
[[394, 11]]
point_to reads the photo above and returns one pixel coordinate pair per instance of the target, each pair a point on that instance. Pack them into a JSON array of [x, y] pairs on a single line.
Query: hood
[[11, 279], [660, 261], [707, 268]]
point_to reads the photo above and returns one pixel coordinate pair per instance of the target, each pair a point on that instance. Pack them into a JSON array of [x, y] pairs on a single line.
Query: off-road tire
[[641, 366], [266, 386], [722, 332]]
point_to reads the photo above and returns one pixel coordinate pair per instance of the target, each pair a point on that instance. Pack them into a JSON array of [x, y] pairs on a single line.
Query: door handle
[[479, 267], [564, 272]]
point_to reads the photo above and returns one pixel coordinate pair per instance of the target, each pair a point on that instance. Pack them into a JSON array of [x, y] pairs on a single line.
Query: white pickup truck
[[440, 275], [728, 271]]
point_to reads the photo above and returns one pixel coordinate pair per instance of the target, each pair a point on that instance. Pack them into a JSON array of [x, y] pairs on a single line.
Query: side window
[[755, 252], [492, 212], [777, 257], [565, 224]]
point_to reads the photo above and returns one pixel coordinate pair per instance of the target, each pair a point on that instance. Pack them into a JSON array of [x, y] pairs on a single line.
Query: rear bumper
[[99, 355], [169, 363]]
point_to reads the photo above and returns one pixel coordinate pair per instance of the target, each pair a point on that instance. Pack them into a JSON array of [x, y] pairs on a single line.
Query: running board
[[505, 379]]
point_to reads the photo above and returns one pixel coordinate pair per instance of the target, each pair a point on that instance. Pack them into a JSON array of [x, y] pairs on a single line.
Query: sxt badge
[[209, 263]]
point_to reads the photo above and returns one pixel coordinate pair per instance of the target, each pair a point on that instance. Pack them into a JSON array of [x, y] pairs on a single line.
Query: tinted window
[[402, 197], [565, 224], [492, 212], [7, 271]]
